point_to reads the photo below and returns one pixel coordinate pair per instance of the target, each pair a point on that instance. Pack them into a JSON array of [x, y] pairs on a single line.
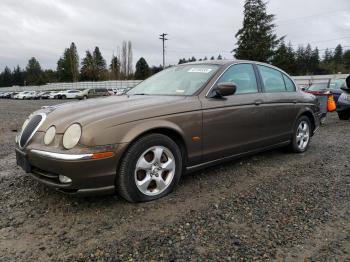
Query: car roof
[[227, 62], [223, 62]]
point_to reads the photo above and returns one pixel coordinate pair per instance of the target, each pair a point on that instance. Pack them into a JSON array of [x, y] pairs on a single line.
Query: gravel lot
[[272, 206]]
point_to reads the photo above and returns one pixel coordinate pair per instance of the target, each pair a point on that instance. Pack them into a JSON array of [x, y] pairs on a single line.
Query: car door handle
[[258, 102]]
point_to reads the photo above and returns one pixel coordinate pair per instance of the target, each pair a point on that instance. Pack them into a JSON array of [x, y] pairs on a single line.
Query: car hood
[[115, 110]]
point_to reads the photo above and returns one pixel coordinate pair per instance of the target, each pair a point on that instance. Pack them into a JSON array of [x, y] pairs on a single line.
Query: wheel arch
[[309, 114], [166, 128]]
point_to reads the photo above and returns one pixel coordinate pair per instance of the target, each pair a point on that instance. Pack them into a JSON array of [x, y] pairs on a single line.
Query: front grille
[[29, 130]]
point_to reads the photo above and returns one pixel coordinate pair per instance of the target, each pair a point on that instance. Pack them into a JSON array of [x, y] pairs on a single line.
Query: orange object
[[102, 155], [196, 139], [331, 106]]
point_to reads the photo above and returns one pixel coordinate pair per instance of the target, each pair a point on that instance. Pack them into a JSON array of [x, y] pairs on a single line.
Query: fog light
[[64, 179]]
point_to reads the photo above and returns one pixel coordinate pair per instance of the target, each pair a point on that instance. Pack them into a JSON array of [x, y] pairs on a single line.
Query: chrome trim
[[59, 156], [33, 133]]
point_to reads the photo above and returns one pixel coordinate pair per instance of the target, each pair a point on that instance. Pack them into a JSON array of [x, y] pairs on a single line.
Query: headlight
[[72, 136], [50, 135]]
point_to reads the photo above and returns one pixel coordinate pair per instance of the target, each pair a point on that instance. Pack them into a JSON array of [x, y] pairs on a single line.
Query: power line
[[311, 16], [162, 37]]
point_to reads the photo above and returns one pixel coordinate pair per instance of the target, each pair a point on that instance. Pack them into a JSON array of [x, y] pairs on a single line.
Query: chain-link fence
[[117, 84]]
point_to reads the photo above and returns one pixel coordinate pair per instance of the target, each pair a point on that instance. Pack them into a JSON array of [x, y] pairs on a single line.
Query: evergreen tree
[[219, 57], [346, 60], [314, 65], [338, 59], [284, 58], [34, 74], [87, 67], [301, 60], [99, 65], [68, 65], [182, 61], [212, 58], [205, 58], [192, 59], [50, 76], [115, 68], [6, 78], [18, 76], [328, 56], [142, 69], [256, 40], [156, 69]]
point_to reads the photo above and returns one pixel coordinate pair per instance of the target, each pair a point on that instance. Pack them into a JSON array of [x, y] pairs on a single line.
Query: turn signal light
[[102, 155]]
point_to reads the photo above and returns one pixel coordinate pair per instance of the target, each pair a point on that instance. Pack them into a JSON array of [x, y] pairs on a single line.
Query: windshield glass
[[178, 80], [318, 87]]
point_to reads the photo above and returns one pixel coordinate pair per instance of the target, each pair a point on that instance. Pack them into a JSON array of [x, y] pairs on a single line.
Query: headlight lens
[[72, 136], [50, 135]]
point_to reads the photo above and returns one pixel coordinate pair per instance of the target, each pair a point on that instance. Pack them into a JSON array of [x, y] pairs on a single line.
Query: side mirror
[[224, 89]]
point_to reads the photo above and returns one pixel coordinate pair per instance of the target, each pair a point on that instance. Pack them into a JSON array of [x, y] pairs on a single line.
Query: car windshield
[[337, 83], [178, 80], [318, 87]]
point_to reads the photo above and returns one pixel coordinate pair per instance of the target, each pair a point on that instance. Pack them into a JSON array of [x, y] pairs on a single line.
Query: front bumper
[[89, 176]]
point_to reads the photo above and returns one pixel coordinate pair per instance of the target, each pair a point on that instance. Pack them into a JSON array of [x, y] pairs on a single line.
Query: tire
[[152, 180], [85, 97], [344, 115], [63, 97], [301, 135]]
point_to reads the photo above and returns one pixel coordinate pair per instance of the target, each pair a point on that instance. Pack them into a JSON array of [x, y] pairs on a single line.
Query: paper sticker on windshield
[[180, 91], [200, 70]]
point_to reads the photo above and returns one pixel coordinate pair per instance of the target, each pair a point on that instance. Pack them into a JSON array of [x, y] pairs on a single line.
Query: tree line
[[92, 67]]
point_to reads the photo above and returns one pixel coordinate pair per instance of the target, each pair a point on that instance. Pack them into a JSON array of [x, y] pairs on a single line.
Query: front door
[[235, 124]]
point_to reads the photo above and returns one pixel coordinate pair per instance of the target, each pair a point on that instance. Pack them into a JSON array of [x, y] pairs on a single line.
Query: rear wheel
[[301, 136], [150, 169], [344, 115]]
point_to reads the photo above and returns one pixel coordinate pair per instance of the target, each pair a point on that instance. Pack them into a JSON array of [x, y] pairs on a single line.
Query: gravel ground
[[273, 206]]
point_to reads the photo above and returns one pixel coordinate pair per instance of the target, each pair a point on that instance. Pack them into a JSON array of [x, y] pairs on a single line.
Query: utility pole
[[162, 37]]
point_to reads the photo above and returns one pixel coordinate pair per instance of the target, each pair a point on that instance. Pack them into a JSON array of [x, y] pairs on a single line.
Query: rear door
[[235, 124], [281, 101]]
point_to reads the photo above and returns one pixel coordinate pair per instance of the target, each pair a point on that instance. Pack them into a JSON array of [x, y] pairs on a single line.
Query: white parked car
[[53, 94], [25, 95], [69, 94]]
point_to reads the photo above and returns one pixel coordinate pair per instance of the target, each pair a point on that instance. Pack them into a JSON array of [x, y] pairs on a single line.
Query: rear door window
[[290, 87], [272, 79]]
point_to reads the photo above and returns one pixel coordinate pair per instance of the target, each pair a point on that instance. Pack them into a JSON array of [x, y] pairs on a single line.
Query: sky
[[44, 28]]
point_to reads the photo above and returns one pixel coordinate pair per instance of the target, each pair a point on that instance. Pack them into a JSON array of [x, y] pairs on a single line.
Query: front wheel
[[301, 136], [150, 169]]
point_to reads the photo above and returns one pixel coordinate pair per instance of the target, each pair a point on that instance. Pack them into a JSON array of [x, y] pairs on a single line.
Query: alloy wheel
[[155, 170], [303, 135]]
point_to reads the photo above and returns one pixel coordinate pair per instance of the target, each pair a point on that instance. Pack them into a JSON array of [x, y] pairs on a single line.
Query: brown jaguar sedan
[[182, 119]]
